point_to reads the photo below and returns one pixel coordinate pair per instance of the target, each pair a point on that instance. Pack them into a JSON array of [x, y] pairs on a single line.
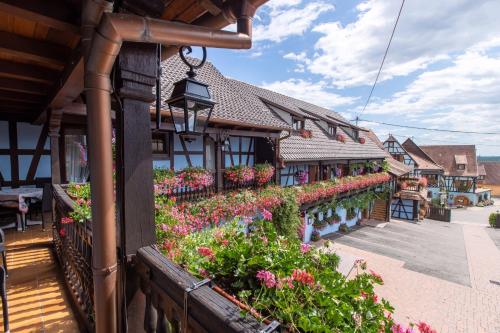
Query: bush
[[493, 220], [286, 217], [343, 228], [436, 202]]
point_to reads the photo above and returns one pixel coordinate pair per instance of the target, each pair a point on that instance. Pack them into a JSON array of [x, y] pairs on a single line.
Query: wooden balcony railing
[[73, 245], [178, 302]]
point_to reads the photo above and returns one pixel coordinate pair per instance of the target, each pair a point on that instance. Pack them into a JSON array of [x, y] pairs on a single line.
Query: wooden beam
[[53, 14], [14, 162], [46, 53], [34, 88], [38, 152], [21, 97], [213, 6], [28, 72]]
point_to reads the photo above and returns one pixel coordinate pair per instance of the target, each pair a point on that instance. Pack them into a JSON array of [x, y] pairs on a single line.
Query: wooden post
[[137, 74], [55, 117], [219, 183]]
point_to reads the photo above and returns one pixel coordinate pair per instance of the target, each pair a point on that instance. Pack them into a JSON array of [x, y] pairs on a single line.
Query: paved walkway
[[446, 303], [35, 295]]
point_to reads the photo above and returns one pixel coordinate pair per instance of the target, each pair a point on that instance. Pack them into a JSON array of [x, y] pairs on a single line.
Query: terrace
[[131, 248]]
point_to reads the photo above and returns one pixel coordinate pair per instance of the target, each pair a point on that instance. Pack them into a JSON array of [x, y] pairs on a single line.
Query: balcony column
[[54, 120], [135, 78]]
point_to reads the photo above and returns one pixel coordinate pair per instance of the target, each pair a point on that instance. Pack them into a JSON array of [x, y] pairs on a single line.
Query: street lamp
[[190, 103]]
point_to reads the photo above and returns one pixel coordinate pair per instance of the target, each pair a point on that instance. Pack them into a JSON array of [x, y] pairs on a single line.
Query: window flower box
[[362, 141], [340, 138]]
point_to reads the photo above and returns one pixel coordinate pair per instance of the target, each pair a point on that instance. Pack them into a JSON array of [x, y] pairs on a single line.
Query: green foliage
[[493, 220], [325, 302], [82, 210], [385, 166], [436, 202], [159, 174], [286, 217]]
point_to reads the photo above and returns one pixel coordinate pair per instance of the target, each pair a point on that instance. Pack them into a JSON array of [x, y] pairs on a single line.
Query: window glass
[[77, 169]]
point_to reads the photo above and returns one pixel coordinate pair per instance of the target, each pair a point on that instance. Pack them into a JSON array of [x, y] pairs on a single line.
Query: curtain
[[77, 168]]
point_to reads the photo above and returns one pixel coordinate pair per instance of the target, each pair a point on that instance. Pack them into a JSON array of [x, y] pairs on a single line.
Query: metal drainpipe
[[104, 48]]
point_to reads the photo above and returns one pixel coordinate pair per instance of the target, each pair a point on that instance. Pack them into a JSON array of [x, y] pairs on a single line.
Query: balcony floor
[[35, 286]]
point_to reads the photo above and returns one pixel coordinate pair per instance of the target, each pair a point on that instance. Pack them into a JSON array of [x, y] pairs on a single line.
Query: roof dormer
[[461, 162]]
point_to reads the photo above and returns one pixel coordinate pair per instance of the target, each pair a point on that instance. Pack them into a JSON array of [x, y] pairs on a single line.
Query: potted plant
[[240, 174], [263, 173], [340, 137], [315, 236], [301, 176], [306, 134], [319, 225], [343, 228], [196, 178]]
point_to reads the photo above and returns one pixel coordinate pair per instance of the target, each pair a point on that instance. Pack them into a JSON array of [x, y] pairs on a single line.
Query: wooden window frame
[[165, 153], [300, 122]]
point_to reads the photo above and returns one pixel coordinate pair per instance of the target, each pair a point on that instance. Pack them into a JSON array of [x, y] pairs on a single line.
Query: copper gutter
[[104, 48]]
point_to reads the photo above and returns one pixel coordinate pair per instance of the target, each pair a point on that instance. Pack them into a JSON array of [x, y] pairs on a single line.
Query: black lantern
[[190, 103]]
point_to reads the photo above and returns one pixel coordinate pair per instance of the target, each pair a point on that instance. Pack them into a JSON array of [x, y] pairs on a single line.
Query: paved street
[[447, 274]]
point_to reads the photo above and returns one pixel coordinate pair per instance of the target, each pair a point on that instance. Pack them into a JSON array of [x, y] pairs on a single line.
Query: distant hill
[[488, 158]]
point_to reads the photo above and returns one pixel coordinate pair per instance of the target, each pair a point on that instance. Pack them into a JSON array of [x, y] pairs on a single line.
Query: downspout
[[105, 47]]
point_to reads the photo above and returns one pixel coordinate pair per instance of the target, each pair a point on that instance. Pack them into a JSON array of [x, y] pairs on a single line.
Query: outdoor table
[[20, 195]]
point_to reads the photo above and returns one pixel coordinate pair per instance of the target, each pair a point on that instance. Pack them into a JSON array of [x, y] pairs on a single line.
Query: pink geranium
[[267, 215], [303, 277], [206, 252], [267, 278], [304, 248]]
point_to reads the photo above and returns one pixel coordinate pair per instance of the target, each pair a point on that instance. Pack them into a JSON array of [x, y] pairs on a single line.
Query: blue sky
[[442, 71]]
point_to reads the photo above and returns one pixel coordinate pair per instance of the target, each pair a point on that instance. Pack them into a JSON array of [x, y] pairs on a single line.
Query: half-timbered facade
[[460, 173]]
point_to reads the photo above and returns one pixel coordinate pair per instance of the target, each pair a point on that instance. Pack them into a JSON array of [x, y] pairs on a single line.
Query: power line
[[383, 60], [428, 129], [447, 141]]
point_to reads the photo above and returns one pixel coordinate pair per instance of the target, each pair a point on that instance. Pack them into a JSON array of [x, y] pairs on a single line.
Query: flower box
[[306, 134], [264, 173], [341, 138], [362, 140], [240, 174]]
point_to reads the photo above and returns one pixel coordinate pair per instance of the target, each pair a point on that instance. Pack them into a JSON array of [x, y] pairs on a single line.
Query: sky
[[442, 70]]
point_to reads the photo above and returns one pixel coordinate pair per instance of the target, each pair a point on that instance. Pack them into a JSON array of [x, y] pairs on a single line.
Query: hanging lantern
[[190, 103]]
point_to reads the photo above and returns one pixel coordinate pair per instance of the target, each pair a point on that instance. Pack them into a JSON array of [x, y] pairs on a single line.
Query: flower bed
[[256, 257], [327, 189], [240, 174], [285, 280]]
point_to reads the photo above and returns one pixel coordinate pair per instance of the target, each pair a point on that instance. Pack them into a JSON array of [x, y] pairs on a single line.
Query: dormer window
[[461, 166], [332, 130], [297, 124], [352, 132]]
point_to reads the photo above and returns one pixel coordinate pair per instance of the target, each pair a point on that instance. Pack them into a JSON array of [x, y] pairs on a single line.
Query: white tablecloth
[[20, 195]]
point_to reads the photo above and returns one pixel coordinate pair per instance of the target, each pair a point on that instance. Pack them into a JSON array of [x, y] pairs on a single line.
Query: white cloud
[[314, 93], [286, 19], [428, 31], [463, 96]]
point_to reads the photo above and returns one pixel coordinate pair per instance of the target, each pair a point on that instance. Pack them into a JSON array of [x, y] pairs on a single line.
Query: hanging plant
[[165, 181], [423, 182], [341, 138], [240, 174], [306, 134], [351, 213], [334, 219], [263, 173], [362, 140], [320, 225], [196, 178]]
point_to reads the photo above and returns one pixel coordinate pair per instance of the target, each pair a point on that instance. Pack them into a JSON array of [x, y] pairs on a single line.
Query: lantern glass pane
[[197, 89], [177, 113]]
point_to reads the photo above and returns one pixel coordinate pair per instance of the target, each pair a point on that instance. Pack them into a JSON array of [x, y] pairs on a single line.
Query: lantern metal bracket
[[191, 66]]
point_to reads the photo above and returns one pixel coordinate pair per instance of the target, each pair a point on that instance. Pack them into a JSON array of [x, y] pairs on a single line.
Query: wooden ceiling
[[40, 59]]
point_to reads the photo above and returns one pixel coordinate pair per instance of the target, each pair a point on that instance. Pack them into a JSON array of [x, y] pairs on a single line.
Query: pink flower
[[264, 240], [375, 298], [206, 252], [377, 276], [62, 232], [425, 328], [267, 278], [304, 248], [225, 242], [203, 272], [398, 328], [247, 219], [267, 215], [67, 220]]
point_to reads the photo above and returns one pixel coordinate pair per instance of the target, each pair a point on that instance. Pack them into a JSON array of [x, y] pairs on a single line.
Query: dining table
[[20, 197]]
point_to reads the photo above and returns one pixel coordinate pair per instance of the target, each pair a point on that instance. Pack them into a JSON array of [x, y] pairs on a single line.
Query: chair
[[9, 210], [3, 294]]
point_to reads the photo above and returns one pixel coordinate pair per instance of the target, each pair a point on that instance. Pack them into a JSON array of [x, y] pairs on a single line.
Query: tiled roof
[[423, 160], [231, 105], [395, 167], [460, 159], [444, 155], [321, 146], [481, 171], [492, 172]]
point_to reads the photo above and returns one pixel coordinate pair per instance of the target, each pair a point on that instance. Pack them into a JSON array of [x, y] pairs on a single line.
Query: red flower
[[377, 276], [362, 140], [303, 277], [425, 328], [206, 252], [67, 220], [62, 232]]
